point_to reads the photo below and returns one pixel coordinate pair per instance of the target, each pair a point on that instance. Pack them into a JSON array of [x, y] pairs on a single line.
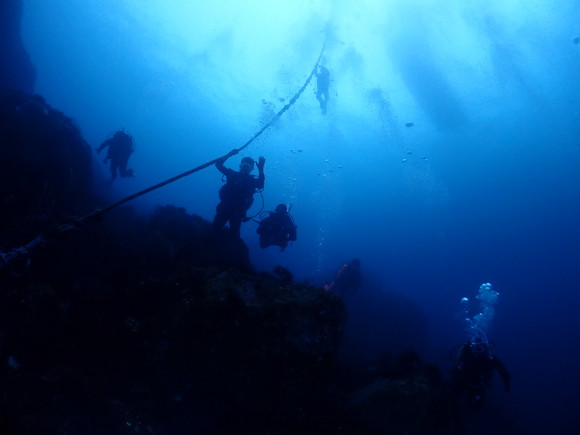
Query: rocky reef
[[45, 168], [151, 324]]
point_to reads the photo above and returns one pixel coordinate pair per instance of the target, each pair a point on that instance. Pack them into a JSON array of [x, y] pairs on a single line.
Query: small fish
[[409, 124], [576, 40]]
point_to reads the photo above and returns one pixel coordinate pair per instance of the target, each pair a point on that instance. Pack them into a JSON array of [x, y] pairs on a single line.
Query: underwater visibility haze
[[448, 157]]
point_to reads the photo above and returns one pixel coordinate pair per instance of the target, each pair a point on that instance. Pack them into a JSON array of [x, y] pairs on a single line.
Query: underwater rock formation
[[116, 326], [136, 326], [17, 72], [406, 395], [45, 168], [153, 324]]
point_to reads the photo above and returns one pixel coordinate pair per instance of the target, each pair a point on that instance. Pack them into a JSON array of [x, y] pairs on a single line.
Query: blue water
[[484, 187]]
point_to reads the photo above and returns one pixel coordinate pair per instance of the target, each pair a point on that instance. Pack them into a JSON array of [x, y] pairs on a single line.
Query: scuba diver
[[121, 146], [322, 85], [473, 371], [237, 195], [348, 278], [278, 228]]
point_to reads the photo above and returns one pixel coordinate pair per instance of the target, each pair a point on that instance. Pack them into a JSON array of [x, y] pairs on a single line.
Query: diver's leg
[[221, 217], [324, 104], [235, 225], [123, 168], [113, 171], [319, 98]]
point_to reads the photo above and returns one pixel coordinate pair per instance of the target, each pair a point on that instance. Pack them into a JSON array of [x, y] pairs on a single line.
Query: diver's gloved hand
[[228, 155], [261, 162]]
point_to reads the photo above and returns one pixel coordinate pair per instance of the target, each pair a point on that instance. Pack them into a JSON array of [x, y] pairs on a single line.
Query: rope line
[[214, 161], [9, 257]]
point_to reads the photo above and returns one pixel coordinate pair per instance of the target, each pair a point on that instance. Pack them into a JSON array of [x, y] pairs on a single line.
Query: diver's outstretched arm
[[219, 164]]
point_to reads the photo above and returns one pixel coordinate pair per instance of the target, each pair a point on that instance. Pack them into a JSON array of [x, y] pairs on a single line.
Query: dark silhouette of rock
[[17, 72], [136, 322], [45, 168], [155, 324], [406, 396]]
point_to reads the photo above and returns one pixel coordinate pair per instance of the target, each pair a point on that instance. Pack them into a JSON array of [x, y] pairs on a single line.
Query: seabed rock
[[152, 324]]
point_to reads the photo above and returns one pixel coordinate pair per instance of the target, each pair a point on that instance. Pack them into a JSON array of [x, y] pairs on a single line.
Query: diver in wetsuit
[[473, 372], [278, 228], [120, 147], [322, 87], [237, 195]]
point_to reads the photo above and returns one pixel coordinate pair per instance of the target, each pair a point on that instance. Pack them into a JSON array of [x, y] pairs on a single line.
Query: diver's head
[[247, 165], [281, 208]]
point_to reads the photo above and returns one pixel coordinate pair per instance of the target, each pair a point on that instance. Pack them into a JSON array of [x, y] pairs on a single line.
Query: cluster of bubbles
[[477, 324]]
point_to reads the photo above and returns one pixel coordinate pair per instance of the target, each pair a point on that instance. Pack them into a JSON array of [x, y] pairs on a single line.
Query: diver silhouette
[[120, 147], [278, 228], [322, 87], [237, 195], [473, 372]]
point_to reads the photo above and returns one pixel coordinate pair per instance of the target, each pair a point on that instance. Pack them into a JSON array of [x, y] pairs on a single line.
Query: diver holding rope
[[237, 195]]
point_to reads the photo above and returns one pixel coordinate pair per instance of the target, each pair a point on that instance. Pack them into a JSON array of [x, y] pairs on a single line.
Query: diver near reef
[[348, 279], [473, 372], [121, 146], [278, 228], [322, 85], [237, 195]]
